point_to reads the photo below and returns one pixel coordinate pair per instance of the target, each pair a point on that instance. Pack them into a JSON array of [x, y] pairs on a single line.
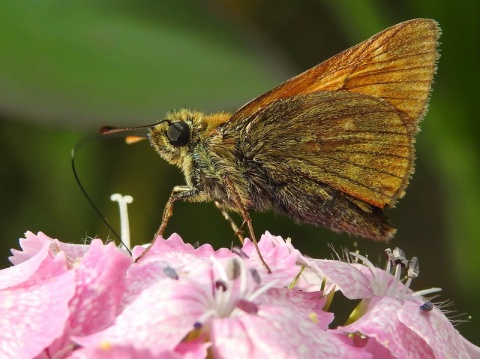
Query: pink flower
[[224, 299], [93, 301], [392, 321], [57, 290], [37, 290]]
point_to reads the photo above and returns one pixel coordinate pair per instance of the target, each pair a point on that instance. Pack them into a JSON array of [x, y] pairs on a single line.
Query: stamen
[[239, 253], [243, 277], [105, 345], [170, 273], [124, 223], [203, 318], [231, 292], [263, 289], [425, 292], [388, 267], [399, 257], [255, 275], [412, 272], [247, 306], [219, 284], [369, 264], [297, 277], [220, 270], [396, 281], [233, 269], [313, 317], [413, 268]]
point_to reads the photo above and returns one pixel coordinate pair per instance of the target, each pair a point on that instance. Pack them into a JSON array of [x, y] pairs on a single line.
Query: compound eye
[[178, 133]]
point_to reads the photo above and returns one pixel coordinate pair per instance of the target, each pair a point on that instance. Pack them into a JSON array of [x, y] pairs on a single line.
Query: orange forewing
[[396, 65]]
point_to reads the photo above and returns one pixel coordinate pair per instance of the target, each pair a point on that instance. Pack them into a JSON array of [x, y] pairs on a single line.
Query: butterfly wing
[[354, 143], [360, 110], [396, 65]]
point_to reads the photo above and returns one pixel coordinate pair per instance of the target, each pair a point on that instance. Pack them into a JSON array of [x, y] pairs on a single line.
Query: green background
[[69, 67]]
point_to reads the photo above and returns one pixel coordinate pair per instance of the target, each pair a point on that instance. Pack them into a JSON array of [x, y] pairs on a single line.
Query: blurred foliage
[[67, 68]]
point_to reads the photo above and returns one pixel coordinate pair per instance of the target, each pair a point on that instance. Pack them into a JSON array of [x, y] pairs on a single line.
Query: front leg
[[178, 192]]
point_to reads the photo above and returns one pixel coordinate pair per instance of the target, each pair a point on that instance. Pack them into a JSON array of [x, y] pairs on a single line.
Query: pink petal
[[34, 313], [30, 245], [369, 345], [118, 352], [303, 303], [276, 333], [100, 285], [158, 319], [435, 328], [142, 275], [162, 247], [72, 251], [344, 276], [27, 263], [381, 323], [171, 253], [190, 350], [471, 349], [277, 254]]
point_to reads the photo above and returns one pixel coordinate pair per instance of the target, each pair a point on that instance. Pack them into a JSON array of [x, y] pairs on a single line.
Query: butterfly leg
[[237, 231], [178, 192], [246, 217]]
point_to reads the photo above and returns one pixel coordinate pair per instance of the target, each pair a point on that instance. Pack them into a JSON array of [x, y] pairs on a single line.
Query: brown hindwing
[[371, 98]]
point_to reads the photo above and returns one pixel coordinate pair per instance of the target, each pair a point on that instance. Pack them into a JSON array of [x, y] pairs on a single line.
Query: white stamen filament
[[222, 298], [403, 290], [124, 223], [388, 268], [220, 270], [372, 269], [243, 277], [396, 289], [263, 289], [423, 292], [225, 298], [396, 282]]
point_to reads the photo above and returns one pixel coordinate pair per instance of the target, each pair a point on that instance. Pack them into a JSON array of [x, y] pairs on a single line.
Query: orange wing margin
[[396, 65]]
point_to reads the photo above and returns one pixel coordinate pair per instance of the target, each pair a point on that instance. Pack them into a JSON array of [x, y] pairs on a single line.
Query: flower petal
[[158, 319], [303, 303], [34, 313], [280, 257], [343, 276], [26, 262], [435, 328], [100, 285], [382, 324], [162, 247], [194, 349], [276, 333]]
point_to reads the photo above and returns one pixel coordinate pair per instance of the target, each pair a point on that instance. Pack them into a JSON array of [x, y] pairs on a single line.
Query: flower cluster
[[94, 301]]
